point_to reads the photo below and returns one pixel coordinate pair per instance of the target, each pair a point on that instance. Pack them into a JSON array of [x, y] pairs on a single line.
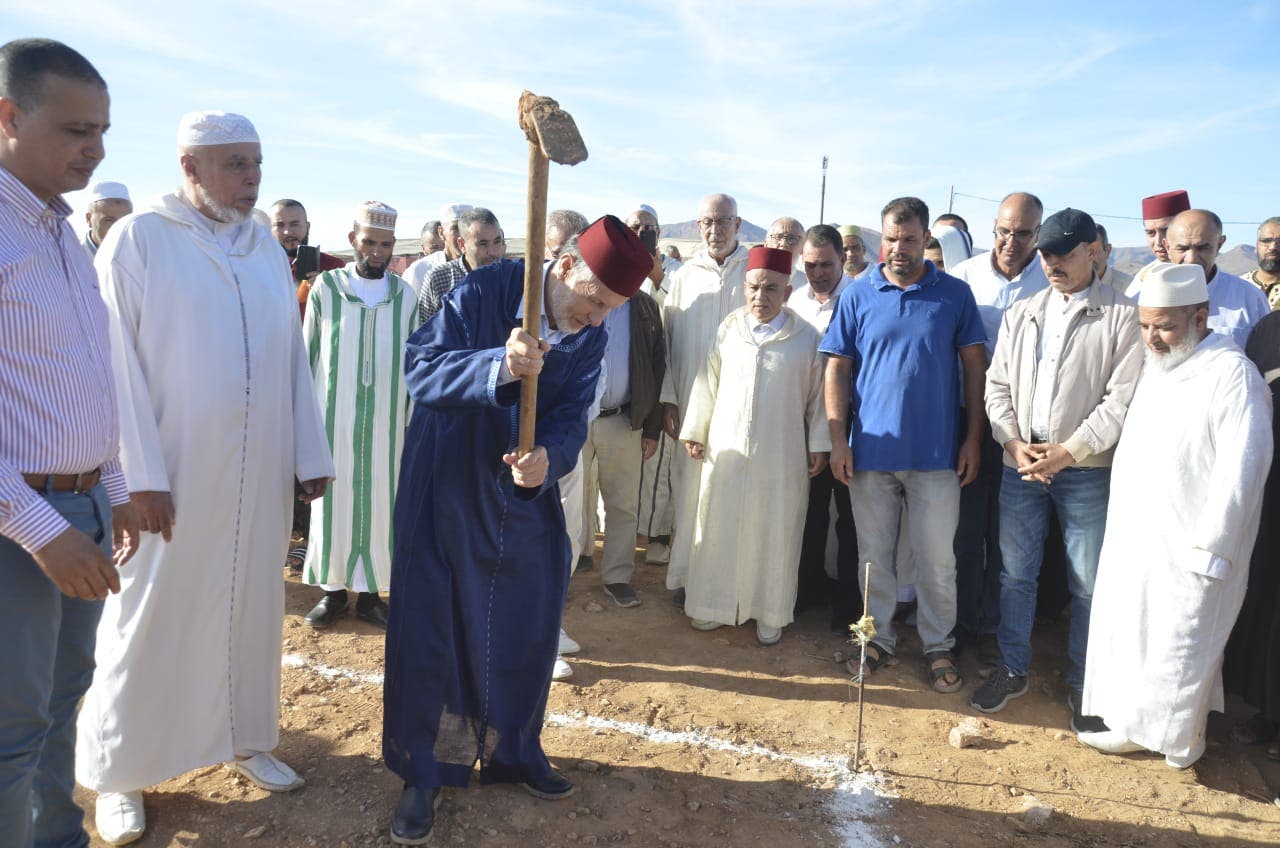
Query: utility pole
[[951, 199], [822, 204]]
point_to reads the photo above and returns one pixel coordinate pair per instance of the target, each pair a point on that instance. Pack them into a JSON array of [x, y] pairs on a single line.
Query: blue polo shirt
[[904, 346]]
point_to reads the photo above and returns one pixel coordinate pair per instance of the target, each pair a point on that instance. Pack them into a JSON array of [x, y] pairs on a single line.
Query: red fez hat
[[1165, 205], [770, 259], [615, 255]]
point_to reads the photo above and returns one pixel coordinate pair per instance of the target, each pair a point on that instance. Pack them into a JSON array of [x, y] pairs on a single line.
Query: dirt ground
[[681, 738]]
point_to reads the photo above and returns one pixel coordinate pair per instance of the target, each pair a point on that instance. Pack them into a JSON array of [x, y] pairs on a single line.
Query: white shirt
[[818, 315], [995, 292], [760, 333], [1049, 349], [372, 292]]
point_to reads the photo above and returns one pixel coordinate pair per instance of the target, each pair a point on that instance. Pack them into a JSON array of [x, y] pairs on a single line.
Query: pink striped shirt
[[57, 399]]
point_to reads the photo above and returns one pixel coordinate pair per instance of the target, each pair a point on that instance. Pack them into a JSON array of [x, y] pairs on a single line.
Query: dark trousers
[[815, 588], [977, 545]]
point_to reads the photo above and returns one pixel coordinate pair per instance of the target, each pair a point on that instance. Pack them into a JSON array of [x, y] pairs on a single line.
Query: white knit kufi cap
[[451, 212], [107, 190], [202, 129], [644, 207], [377, 215], [1168, 285]]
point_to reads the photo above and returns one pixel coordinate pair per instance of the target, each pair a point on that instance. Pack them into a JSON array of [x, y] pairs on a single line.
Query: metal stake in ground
[[862, 630], [553, 137]]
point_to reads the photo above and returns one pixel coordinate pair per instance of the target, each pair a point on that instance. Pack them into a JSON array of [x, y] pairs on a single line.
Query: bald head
[[785, 234], [1195, 236], [718, 224], [1016, 226]]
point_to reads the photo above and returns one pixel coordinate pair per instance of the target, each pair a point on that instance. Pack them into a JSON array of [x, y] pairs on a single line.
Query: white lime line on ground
[[857, 798]]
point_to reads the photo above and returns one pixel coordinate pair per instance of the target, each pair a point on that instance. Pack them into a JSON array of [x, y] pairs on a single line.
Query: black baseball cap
[[1062, 231]]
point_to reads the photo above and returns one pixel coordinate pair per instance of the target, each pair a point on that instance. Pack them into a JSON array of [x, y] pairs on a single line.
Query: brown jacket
[[648, 364]]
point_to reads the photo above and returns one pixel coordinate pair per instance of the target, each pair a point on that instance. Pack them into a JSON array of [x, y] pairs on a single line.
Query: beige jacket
[[1097, 374]]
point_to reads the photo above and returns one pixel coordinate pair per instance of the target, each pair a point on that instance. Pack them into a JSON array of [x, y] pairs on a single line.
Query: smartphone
[[307, 261], [650, 240]]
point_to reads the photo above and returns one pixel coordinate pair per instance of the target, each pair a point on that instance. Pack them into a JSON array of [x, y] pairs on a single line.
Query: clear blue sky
[[1091, 105]]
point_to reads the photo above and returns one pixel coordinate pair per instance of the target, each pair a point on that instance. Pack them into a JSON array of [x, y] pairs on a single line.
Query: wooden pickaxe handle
[[553, 137], [534, 248]]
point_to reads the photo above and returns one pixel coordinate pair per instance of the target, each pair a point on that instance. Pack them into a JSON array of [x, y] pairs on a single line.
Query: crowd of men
[[187, 389]]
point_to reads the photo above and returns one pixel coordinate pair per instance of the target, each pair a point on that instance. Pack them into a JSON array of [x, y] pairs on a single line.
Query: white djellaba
[[1186, 498]]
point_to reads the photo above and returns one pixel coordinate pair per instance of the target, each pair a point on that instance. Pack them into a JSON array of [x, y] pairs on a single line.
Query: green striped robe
[[357, 362]]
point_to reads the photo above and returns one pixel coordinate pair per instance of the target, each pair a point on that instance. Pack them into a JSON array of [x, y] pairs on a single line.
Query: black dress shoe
[[332, 605], [677, 597], [415, 816], [551, 787], [372, 609]]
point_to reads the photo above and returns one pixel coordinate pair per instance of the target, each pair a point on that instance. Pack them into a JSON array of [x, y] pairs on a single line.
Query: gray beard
[[1271, 266], [225, 214]]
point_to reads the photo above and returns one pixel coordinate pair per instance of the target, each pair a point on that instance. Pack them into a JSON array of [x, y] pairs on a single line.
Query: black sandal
[[937, 676], [873, 663]]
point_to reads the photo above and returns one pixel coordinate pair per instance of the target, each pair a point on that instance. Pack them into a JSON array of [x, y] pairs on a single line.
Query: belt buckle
[[79, 486]]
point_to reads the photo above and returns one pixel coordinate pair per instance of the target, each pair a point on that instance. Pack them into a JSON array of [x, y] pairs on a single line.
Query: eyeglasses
[[722, 223], [1016, 235], [1267, 242], [785, 238]]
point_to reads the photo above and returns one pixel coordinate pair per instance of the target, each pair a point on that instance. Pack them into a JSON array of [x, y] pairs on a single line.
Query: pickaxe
[[553, 137]]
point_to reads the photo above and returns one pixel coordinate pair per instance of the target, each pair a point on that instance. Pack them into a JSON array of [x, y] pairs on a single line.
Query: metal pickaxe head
[[552, 129]]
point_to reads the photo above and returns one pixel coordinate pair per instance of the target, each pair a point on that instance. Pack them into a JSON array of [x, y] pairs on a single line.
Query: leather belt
[[78, 483], [613, 410]]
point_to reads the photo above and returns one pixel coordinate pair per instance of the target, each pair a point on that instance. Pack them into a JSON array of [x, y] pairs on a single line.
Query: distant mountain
[[1239, 260]]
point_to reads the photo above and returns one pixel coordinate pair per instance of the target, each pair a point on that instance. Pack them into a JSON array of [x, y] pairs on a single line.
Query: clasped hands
[[1038, 463]]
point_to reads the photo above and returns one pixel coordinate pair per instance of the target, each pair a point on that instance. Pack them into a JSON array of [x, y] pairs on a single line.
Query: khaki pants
[[611, 459]]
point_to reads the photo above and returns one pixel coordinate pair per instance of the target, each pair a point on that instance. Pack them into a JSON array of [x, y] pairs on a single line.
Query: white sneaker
[[704, 624], [119, 817], [561, 670], [767, 635], [1110, 742], [567, 645], [657, 554], [265, 771]]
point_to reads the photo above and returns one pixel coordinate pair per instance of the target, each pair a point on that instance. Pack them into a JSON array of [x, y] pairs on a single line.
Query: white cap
[[451, 212], [107, 190], [201, 129], [377, 215], [644, 207], [1168, 285]]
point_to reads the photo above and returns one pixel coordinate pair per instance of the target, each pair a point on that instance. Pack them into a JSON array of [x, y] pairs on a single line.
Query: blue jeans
[[933, 500], [977, 545], [48, 641], [1079, 497]]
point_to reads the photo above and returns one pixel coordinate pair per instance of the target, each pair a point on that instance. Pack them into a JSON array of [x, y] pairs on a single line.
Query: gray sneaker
[[622, 594], [1000, 688]]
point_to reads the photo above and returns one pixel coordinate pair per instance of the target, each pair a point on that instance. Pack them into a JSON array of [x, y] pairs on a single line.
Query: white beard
[[1176, 355], [225, 214]]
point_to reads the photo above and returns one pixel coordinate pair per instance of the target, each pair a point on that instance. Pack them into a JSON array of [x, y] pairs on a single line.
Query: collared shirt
[[58, 410], [904, 344], [89, 247], [994, 292], [762, 332], [805, 304], [440, 281], [617, 358], [1057, 312], [1270, 290]]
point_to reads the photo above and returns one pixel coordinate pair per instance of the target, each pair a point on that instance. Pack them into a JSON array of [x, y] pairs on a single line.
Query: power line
[[1110, 217]]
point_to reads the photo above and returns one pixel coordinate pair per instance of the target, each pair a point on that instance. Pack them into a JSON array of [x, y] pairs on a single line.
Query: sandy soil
[[681, 738]]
